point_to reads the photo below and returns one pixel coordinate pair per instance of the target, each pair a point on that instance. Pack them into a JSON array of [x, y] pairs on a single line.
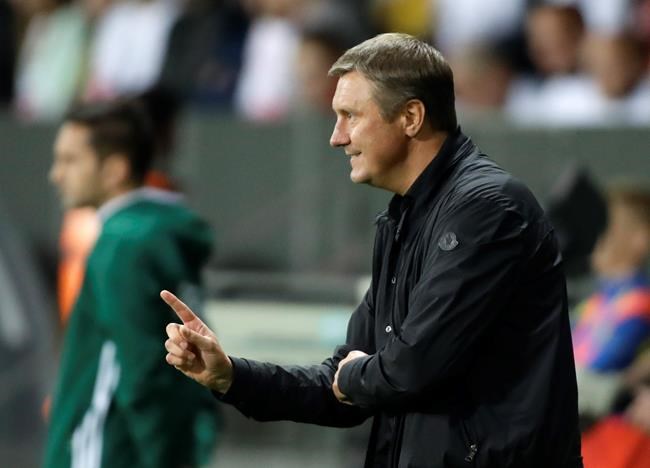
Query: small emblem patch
[[448, 241]]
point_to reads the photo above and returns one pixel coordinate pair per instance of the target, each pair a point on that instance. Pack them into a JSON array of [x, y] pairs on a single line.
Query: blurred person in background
[[460, 350], [614, 323], [81, 226], [458, 24], [621, 85], [51, 59], [326, 31], [204, 54], [129, 47], [557, 94], [265, 85], [116, 403], [484, 78], [555, 35]]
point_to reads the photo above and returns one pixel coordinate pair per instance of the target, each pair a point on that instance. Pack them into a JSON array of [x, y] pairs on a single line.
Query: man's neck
[[421, 152], [117, 200]]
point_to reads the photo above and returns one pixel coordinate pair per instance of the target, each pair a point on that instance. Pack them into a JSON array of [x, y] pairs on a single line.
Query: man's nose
[[339, 137]]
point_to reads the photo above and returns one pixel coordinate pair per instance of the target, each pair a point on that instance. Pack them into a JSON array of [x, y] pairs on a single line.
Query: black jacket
[[465, 323]]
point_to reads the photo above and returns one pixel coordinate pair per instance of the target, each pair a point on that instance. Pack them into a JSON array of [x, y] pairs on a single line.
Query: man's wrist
[[223, 383]]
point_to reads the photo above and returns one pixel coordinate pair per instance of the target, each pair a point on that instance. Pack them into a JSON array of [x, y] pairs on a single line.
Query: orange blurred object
[[160, 180], [615, 443], [78, 235]]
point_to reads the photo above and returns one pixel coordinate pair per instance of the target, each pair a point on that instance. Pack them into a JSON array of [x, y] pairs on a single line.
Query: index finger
[[183, 312]]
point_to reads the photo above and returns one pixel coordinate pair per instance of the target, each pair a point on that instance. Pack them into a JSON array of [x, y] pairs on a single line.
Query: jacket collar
[[116, 204], [417, 199]]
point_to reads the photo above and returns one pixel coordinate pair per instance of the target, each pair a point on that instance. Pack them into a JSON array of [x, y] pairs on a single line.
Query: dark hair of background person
[[7, 52], [388, 62], [118, 127], [163, 107]]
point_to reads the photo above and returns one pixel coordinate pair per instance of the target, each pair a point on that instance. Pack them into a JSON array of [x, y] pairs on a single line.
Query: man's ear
[[116, 171], [413, 116]]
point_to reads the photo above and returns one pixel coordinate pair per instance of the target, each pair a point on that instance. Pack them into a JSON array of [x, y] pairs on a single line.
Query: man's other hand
[[352, 355]]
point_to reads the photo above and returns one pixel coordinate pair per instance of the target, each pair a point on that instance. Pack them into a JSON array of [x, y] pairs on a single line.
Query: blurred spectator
[[7, 52], [483, 77], [51, 59], [129, 46], [559, 94], [459, 23], [617, 64], [615, 321], [267, 79], [204, 53], [554, 37], [326, 31]]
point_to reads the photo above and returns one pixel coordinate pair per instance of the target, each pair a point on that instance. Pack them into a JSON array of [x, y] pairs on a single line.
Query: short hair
[[634, 196], [402, 67], [121, 126]]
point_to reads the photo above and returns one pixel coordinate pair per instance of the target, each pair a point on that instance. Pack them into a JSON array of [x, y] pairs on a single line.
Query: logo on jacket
[[448, 241]]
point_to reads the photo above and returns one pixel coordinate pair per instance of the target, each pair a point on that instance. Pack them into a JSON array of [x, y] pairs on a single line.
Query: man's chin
[[359, 178]]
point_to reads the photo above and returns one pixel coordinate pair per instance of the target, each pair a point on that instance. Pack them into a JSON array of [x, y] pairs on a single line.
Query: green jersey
[[117, 402]]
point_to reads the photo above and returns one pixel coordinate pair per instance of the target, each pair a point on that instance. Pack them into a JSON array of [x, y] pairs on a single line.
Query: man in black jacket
[[461, 349]]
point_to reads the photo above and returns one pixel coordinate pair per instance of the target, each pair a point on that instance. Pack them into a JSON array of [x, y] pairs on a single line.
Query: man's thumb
[[202, 342]]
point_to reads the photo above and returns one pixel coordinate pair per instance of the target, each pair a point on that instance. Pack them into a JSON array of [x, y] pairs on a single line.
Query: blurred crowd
[[535, 62]]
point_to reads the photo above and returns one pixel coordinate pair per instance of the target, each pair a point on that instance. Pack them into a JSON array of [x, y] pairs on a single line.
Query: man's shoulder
[[152, 226], [483, 181], [149, 217]]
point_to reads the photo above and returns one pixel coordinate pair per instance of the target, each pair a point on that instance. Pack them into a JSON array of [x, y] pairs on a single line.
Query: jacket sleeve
[[456, 299], [157, 403], [270, 392]]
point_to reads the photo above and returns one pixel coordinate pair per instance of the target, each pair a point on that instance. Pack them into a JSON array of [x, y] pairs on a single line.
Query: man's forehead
[[72, 134], [352, 87]]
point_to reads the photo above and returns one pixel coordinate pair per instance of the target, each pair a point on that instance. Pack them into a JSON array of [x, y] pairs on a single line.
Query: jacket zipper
[[472, 447]]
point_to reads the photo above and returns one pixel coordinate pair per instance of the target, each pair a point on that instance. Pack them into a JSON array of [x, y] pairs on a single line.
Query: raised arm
[[260, 390]]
